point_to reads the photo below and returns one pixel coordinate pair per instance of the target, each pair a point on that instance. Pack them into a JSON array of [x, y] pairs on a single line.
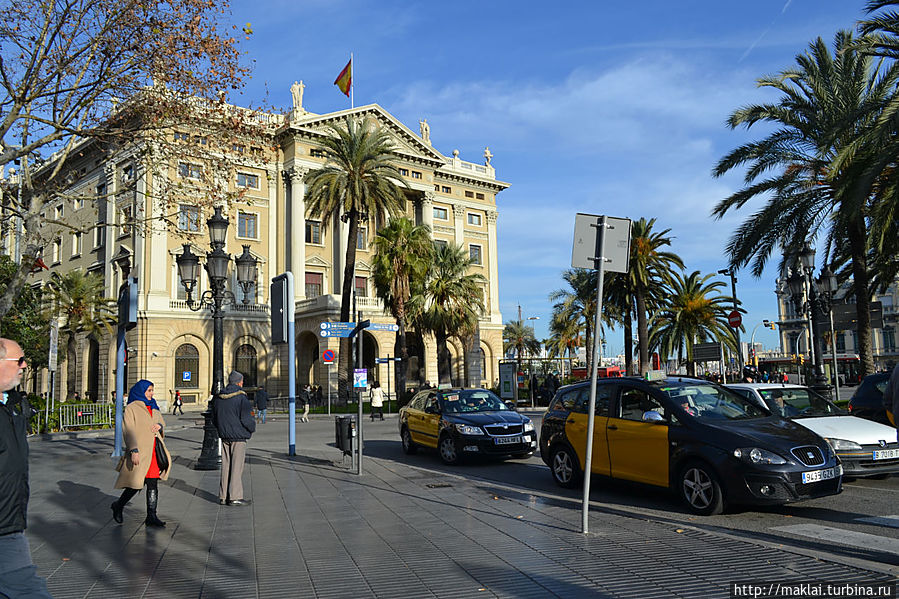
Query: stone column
[[340, 259], [459, 222], [427, 210], [273, 209], [297, 230], [493, 261]]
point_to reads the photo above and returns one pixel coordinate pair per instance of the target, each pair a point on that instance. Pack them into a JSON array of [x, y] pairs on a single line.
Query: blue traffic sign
[[377, 326], [336, 332], [385, 360], [338, 325]]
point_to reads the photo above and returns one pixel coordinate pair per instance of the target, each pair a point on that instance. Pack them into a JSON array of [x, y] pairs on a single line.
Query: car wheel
[[564, 467], [700, 489], [409, 446], [449, 453]]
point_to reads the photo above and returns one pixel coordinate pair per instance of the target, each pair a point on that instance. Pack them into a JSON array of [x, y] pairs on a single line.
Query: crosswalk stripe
[[843, 537], [889, 521]]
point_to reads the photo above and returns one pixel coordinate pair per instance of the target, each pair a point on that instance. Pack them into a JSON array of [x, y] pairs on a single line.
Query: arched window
[[187, 367], [245, 364]]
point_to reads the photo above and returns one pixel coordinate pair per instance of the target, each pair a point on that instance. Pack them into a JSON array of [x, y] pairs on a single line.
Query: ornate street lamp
[[215, 298], [808, 299]]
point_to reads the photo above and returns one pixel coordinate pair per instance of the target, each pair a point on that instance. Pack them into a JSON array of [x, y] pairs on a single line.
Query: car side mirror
[[653, 416]]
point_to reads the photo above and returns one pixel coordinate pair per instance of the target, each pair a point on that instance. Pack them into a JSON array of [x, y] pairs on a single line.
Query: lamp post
[[765, 323], [730, 272], [215, 298], [808, 301]]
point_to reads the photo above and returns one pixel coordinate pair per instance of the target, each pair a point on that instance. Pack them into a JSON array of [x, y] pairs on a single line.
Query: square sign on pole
[[616, 248], [360, 378]]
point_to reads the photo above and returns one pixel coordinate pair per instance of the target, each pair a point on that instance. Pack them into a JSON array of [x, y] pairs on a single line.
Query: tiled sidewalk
[[315, 529]]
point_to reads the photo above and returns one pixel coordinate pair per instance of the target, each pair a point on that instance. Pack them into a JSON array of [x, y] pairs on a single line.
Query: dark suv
[[867, 401], [706, 442]]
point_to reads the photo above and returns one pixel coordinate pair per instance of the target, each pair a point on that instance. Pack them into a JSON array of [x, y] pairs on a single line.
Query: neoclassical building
[[172, 344]]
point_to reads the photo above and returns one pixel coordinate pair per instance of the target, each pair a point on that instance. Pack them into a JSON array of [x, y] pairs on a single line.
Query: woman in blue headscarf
[[142, 426]]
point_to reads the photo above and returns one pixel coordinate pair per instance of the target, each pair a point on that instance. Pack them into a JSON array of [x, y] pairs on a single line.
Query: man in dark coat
[[18, 574], [233, 418], [261, 404]]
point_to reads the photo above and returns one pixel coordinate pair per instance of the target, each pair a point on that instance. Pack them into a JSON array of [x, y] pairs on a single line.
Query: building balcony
[[262, 309]]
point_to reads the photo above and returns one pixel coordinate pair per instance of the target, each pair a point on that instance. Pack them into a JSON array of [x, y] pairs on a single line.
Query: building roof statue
[[296, 90], [425, 129], [487, 156]]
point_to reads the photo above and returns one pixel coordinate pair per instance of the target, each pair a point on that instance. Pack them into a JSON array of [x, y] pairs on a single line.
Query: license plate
[[818, 475], [507, 440], [886, 454]]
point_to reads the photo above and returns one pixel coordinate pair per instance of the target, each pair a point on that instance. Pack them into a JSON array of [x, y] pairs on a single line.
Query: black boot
[[152, 500], [118, 506]]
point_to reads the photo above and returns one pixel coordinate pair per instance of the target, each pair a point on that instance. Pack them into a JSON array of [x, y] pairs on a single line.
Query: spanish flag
[[345, 80]]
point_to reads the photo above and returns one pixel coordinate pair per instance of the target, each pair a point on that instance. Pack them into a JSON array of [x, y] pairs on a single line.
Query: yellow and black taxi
[[710, 445], [465, 422]]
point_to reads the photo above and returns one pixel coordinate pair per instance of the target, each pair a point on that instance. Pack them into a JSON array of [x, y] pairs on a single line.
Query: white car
[[865, 448]]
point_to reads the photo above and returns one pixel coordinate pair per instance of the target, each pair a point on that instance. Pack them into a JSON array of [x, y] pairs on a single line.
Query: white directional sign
[[616, 247]]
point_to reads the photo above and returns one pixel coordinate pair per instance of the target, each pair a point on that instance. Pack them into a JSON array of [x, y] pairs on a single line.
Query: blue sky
[[597, 107]]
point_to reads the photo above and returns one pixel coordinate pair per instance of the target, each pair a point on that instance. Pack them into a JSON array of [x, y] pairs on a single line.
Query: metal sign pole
[[591, 415], [292, 368]]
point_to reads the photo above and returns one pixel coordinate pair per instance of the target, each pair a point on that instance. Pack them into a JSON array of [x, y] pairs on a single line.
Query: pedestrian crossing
[[852, 538]]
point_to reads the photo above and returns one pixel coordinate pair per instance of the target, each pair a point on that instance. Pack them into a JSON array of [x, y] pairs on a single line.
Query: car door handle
[[612, 427], [571, 421]]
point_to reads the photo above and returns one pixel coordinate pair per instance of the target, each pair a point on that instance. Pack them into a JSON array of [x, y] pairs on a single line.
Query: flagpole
[[352, 82]]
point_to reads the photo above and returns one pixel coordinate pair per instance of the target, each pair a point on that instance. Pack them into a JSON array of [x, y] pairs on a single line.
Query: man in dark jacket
[[18, 574], [233, 418], [261, 404]]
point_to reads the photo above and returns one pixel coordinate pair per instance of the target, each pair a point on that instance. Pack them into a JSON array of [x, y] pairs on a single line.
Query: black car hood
[[769, 432], [482, 418]]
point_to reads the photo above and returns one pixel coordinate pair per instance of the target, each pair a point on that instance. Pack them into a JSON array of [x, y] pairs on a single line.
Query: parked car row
[[745, 444]]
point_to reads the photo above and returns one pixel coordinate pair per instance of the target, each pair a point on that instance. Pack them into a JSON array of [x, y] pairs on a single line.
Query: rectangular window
[[246, 225], [57, 247], [125, 221], [189, 218], [79, 203], [474, 219], [446, 189], [248, 180], [317, 153], [190, 171], [182, 136], [479, 196], [362, 238], [416, 175], [76, 244], [199, 139], [889, 340], [436, 187], [841, 342], [475, 252], [440, 243], [469, 194], [238, 148], [361, 287], [99, 236], [314, 284], [404, 172], [313, 232], [127, 173], [60, 212], [441, 213]]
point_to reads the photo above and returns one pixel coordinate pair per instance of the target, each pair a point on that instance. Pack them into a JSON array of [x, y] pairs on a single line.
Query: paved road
[[403, 529]]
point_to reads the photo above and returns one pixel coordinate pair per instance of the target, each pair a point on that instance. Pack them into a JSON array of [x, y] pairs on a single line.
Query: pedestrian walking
[[18, 574], [178, 404], [231, 415], [318, 398], [305, 397], [143, 427], [377, 401], [261, 404]]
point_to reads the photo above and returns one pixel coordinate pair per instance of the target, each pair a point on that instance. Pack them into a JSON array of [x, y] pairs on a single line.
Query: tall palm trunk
[[402, 351], [642, 330], [862, 297], [344, 361], [628, 343], [589, 341], [71, 365], [444, 365]]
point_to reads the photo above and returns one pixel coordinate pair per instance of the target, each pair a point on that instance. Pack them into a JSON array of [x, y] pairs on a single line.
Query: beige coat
[[137, 426]]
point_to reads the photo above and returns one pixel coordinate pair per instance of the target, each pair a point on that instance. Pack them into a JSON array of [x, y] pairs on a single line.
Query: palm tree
[[78, 299], [358, 181], [694, 312], [520, 337], [575, 308], [650, 269], [402, 256], [454, 299], [881, 31], [812, 171]]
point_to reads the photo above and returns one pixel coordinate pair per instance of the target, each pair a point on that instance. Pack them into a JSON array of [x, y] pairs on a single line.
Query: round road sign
[[734, 319], [328, 356]]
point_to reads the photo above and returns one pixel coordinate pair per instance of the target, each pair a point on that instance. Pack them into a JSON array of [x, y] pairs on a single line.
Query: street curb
[[93, 434]]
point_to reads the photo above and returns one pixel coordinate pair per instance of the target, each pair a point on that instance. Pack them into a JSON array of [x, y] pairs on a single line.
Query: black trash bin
[[343, 429]]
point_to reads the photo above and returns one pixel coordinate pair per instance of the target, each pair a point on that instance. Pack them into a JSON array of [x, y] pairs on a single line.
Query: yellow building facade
[[172, 344]]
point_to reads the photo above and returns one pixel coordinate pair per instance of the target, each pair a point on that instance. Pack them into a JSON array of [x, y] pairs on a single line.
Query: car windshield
[[711, 402], [471, 400], [798, 403]]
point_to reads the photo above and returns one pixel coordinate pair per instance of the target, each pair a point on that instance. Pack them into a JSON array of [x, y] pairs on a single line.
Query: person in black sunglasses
[[18, 574]]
